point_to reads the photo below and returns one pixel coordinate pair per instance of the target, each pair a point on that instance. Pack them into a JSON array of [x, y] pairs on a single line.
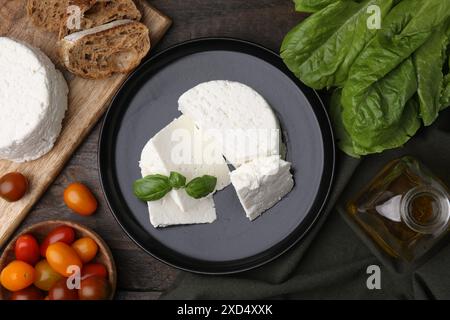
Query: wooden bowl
[[40, 230]]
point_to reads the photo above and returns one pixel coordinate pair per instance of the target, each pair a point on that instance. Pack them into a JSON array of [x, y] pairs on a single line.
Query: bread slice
[[49, 14], [102, 12], [99, 52]]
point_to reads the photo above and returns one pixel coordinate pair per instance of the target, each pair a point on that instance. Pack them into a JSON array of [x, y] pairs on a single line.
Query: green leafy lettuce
[[429, 61], [383, 79], [388, 81], [314, 5], [321, 50]]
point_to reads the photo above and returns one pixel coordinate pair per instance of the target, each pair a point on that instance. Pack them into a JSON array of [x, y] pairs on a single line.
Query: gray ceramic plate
[[147, 102]]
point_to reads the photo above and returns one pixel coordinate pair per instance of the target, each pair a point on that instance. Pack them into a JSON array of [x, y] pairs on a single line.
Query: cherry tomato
[[60, 234], [60, 291], [94, 288], [80, 199], [94, 269], [30, 293], [86, 248], [13, 186], [46, 277], [27, 249], [17, 276], [60, 257]]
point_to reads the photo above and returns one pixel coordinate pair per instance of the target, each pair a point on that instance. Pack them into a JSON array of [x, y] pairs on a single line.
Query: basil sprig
[[156, 186]]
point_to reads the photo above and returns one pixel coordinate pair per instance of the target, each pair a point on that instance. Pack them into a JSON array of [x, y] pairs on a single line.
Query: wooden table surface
[[139, 275]]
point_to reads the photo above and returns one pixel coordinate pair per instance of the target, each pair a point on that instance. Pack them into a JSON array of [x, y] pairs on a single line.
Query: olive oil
[[405, 209]]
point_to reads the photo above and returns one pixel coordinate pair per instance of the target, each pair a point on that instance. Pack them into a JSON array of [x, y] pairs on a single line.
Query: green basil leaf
[[201, 187], [152, 187], [177, 180]]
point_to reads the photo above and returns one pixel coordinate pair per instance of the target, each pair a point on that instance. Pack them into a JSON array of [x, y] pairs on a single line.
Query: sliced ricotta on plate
[[261, 183], [240, 119], [166, 212], [33, 101], [183, 148]]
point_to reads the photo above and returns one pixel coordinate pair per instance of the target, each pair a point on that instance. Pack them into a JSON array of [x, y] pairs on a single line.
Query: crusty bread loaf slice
[[49, 14], [102, 12], [99, 52]]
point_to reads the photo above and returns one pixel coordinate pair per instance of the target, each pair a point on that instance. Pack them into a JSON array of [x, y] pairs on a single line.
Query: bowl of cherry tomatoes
[[57, 260]]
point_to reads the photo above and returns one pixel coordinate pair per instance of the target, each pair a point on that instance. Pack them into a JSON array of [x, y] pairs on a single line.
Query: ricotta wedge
[[166, 212], [261, 183], [240, 119], [33, 102], [183, 148]]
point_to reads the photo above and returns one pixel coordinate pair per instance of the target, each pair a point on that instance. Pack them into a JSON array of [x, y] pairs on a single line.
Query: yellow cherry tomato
[[46, 277], [86, 248], [61, 257], [17, 276]]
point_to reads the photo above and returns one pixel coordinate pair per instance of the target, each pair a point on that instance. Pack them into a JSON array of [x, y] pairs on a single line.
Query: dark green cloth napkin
[[331, 262]]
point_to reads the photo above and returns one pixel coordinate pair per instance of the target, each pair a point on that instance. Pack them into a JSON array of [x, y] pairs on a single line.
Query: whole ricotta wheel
[[33, 101]]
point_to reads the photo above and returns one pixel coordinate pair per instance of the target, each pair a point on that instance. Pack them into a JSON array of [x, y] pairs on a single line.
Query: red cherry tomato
[[94, 269], [60, 291], [30, 293], [94, 288], [13, 186], [27, 249], [80, 199], [60, 234]]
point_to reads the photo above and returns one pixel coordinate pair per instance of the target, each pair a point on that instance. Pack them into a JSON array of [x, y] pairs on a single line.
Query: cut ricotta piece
[[165, 212], [240, 119], [183, 148], [261, 183], [33, 101]]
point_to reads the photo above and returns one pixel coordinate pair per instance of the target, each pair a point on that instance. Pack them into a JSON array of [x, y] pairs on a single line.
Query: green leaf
[[445, 98], [321, 50], [378, 112], [344, 140], [152, 187], [201, 187], [429, 61], [177, 180], [315, 5], [381, 119]]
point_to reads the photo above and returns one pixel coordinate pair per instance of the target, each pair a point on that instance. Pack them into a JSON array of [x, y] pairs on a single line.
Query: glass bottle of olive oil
[[405, 209]]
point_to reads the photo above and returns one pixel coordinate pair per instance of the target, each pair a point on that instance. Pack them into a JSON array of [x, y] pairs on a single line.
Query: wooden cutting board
[[88, 100]]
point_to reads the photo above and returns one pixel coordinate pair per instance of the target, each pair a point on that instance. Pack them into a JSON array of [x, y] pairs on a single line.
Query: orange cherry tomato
[[86, 248], [17, 276], [60, 257], [13, 186], [80, 199]]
